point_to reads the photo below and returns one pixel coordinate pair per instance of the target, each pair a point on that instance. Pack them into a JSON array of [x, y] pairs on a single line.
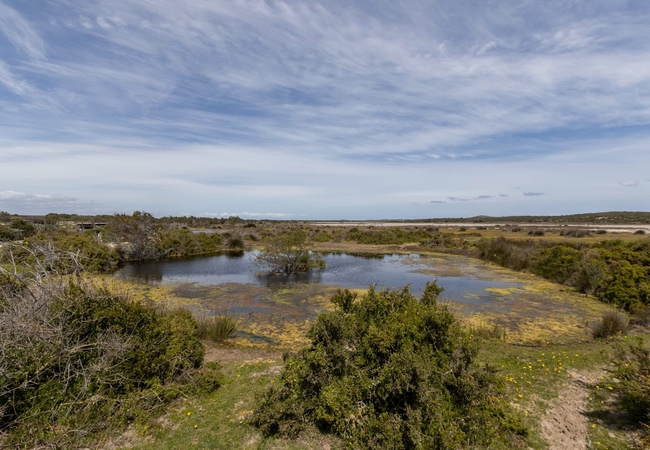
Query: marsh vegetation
[[98, 356]]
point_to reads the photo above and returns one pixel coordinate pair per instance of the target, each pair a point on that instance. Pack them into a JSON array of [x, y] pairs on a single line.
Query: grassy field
[[535, 377], [545, 354]]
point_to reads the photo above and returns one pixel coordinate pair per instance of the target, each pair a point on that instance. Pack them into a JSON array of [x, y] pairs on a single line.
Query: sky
[[324, 110]]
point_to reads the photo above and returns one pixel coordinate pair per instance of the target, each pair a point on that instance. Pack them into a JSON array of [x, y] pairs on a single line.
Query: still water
[[342, 269]]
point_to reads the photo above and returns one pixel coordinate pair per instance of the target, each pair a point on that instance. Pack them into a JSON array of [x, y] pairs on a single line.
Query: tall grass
[[611, 324], [217, 328], [235, 242]]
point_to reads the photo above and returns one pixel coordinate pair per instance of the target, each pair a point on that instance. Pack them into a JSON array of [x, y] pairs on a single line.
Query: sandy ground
[[610, 228], [242, 355], [565, 424]]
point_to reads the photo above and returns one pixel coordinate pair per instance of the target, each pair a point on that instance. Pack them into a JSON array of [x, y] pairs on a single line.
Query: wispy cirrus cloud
[[334, 86], [533, 194], [628, 183]]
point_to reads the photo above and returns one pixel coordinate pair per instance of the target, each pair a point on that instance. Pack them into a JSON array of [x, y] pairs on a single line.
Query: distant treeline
[[602, 218]]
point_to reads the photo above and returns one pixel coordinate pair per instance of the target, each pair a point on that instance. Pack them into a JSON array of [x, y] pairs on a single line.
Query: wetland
[[277, 310]]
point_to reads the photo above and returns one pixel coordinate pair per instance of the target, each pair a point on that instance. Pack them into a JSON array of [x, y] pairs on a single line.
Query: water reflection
[[342, 269]]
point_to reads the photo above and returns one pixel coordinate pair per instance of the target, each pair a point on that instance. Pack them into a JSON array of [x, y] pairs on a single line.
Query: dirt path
[[233, 354], [565, 424]]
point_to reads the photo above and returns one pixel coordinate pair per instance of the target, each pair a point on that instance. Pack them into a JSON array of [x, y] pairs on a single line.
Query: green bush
[[323, 236], [557, 263], [391, 371], [632, 364], [7, 234], [78, 360], [389, 236], [515, 255], [445, 240], [182, 242], [93, 255], [627, 286]]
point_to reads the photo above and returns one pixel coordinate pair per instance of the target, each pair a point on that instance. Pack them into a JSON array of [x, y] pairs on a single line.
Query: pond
[[341, 270], [278, 310]]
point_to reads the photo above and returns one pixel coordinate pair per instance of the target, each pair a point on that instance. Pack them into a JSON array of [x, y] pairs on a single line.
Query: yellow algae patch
[[503, 291]]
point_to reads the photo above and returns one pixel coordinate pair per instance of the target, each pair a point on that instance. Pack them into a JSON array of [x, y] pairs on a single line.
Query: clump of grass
[[536, 233], [488, 332], [235, 242], [612, 323], [639, 232], [217, 328]]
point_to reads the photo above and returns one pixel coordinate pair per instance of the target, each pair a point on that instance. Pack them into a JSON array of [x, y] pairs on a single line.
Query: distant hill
[[612, 217]]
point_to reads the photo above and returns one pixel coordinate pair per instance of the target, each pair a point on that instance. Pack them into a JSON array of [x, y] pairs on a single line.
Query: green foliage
[[323, 236], [6, 234], [633, 370], [140, 232], [557, 263], [391, 371], [217, 328], [445, 240], [627, 286], [93, 254], [287, 254], [182, 242], [515, 255], [614, 271], [25, 228], [77, 361], [389, 236]]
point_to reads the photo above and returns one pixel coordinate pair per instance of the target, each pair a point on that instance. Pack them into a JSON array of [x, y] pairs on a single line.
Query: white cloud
[[628, 183], [323, 106], [41, 203], [20, 33]]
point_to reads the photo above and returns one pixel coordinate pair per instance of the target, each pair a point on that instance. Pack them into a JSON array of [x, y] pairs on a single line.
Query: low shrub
[[183, 242], [575, 233], [612, 323], [445, 240], [557, 263], [515, 255], [235, 242], [632, 368], [323, 236], [77, 360], [536, 233], [287, 254], [639, 232], [217, 328], [93, 255], [391, 371], [389, 236]]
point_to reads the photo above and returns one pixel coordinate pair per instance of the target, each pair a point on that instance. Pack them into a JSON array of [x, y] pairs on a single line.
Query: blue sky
[[324, 110]]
